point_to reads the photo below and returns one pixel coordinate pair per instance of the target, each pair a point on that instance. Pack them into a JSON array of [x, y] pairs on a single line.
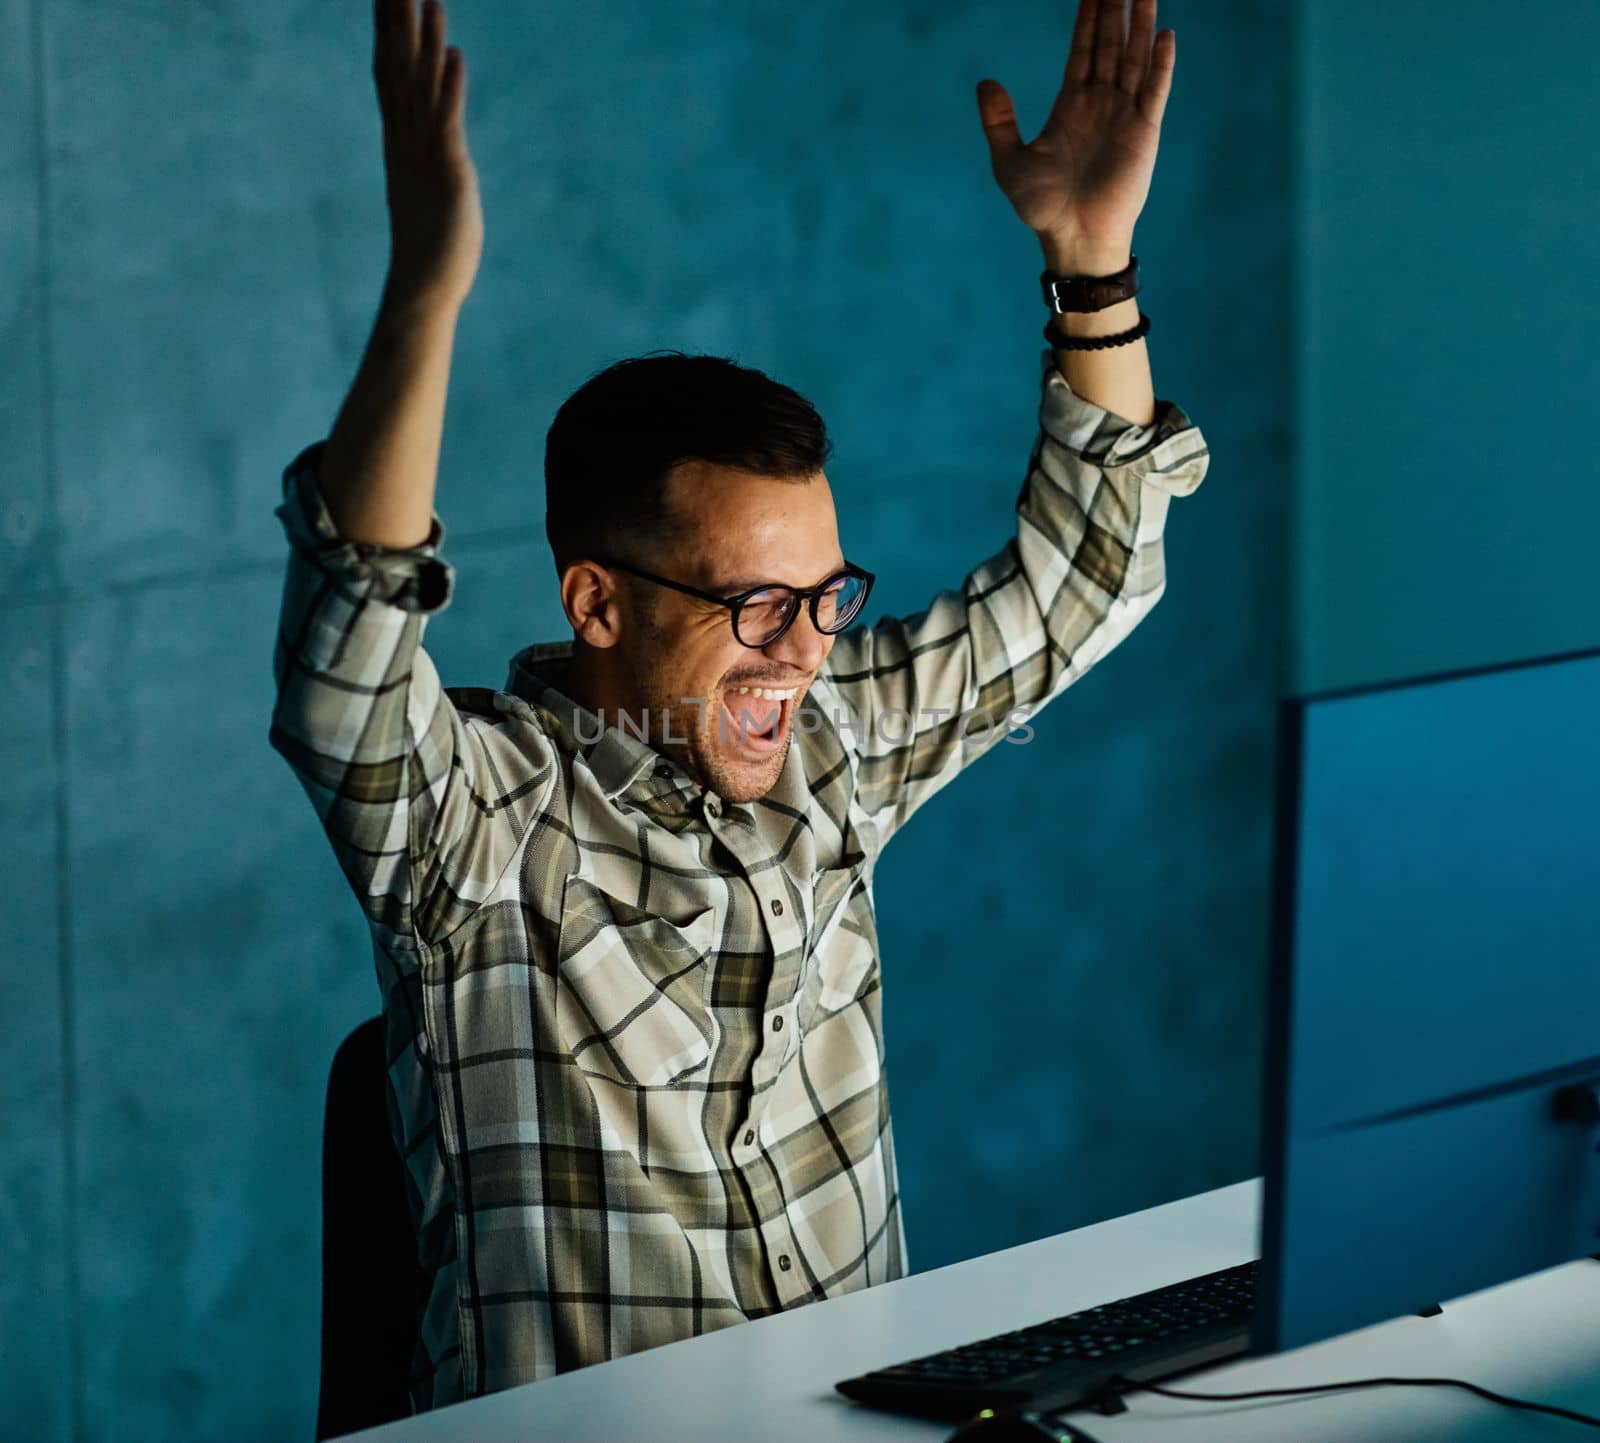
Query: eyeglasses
[[762, 614]]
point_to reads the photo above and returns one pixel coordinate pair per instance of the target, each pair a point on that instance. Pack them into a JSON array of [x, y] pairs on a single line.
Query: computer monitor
[[1430, 1115]]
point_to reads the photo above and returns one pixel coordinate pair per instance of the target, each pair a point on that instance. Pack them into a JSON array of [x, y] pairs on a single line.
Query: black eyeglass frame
[[809, 595]]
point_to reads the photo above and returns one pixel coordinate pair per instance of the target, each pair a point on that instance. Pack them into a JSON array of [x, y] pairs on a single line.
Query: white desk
[[772, 1379]]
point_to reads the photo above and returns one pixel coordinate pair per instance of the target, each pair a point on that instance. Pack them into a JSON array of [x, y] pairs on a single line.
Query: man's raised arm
[[1080, 184], [925, 695], [423, 806], [382, 458]]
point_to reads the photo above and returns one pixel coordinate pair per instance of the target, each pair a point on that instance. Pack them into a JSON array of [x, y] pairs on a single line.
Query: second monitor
[[1433, 1071]]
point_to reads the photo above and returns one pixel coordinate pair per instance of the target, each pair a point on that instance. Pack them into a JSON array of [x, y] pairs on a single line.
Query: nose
[[802, 646]]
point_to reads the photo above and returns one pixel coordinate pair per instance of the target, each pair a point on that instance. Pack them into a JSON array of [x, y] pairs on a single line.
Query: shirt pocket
[[631, 988], [843, 962]]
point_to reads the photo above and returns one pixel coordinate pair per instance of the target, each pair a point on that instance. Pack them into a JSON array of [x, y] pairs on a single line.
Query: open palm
[[1086, 175]]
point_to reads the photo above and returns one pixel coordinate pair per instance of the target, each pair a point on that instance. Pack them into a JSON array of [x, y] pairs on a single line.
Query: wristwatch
[[1090, 293]]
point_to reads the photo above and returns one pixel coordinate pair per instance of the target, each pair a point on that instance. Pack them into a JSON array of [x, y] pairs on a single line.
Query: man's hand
[[1083, 180], [435, 213]]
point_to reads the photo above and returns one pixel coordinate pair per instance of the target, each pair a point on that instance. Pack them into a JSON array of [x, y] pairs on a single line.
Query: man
[[622, 910]]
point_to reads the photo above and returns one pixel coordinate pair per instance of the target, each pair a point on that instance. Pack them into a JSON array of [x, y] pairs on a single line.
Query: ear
[[591, 596]]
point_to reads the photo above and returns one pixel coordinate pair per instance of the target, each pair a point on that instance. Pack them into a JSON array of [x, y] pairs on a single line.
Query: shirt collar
[[617, 758]]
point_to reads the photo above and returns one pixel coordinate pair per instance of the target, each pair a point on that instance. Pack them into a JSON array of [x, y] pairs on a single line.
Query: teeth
[[767, 693]]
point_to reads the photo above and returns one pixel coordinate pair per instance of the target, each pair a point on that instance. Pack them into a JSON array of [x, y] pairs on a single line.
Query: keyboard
[[1068, 1361]]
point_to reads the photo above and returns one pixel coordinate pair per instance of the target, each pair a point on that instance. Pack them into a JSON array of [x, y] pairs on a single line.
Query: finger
[[380, 44], [1107, 40], [999, 117], [452, 86], [1158, 80], [394, 46], [1082, 52], [1136, 54], [430, 53]]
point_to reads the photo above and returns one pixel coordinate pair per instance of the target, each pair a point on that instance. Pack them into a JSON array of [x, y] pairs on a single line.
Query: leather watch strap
[[1090, 293]]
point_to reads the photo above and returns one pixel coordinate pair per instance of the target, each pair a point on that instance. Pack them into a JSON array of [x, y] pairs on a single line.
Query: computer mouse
[[1020, 1427]]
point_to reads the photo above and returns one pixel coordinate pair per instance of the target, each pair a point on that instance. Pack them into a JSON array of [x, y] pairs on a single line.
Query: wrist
[[414, 304], [1079, 256]]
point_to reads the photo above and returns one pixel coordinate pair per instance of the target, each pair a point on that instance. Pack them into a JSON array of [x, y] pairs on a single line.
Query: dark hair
[[617, 437]]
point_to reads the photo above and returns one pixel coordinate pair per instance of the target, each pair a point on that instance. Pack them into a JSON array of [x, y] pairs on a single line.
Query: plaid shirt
[[634, 1029]]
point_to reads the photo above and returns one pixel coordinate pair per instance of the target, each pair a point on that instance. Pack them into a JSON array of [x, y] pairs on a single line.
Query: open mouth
[[756, 718]]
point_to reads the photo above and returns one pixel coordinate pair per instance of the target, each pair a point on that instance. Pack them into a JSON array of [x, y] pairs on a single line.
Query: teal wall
[[191, 211], [1449, 192]]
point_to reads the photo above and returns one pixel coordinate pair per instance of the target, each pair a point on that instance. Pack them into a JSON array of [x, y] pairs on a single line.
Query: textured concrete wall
[[191, 211]]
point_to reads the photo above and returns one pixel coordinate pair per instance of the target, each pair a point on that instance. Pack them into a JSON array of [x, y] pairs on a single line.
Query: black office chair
[[369, 1273]]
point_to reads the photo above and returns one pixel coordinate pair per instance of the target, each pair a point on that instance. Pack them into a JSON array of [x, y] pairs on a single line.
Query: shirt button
[[777, 907], [749, 1137], [664, 770], [713, 807], [783, 1261], [777, 1023]]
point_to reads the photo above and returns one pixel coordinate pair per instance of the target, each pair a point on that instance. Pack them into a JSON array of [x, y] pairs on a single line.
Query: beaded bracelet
[[1095, 343]]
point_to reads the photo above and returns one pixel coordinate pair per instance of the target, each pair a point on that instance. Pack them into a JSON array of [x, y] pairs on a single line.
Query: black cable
[[1128, 1385]]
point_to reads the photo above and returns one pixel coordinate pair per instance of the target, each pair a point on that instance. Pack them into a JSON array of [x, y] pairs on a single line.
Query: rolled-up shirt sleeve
[[423, 804], [924, 696], [412, 578]]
